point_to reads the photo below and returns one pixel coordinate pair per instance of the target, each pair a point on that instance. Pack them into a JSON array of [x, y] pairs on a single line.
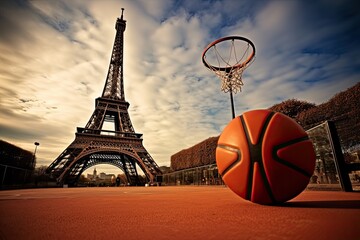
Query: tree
[[292, 107]]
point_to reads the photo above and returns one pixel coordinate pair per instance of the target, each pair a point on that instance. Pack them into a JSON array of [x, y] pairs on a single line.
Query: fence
[[204, 175], [14, 176]]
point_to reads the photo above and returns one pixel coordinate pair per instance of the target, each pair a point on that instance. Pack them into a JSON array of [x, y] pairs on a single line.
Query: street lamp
[[36, 145]]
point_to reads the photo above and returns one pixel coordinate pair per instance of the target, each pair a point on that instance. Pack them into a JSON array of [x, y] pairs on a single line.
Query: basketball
[[265, 157]]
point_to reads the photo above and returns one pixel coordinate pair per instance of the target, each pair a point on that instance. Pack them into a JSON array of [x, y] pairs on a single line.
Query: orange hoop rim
[[240, 65]]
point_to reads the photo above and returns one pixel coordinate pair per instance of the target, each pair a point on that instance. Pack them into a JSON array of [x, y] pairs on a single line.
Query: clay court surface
[[173, 213]]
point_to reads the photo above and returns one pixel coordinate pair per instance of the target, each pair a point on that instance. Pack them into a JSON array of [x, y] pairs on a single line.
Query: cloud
[[55, 58]]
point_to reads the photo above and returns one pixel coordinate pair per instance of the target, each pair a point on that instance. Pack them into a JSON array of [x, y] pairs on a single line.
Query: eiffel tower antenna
[[122, 13], [114, 84], [93, 145]]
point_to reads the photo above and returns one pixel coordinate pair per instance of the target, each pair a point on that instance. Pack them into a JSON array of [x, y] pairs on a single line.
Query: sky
[[55, 56]]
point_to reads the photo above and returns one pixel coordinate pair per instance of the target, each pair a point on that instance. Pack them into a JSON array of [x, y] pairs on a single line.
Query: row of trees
[[201, 154]]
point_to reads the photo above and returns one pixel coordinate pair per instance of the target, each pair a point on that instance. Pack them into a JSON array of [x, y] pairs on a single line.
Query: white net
[[231, 80], [228, 60]]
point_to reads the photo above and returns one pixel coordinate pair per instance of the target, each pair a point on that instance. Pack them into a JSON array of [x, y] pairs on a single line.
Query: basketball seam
[[232, 149], [286, 163], [260, 161]]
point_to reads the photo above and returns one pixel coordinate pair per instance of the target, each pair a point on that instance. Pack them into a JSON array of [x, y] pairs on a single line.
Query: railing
[[331, 171], [10, 175], [202, 175], [108, 133]]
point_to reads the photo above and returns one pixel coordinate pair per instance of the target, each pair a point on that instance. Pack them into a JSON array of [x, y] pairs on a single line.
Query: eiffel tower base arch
[[123, 150]]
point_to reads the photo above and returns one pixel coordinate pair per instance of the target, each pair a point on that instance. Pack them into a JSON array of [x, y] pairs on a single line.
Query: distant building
[[102, 178], [93, 176], [106, 177]]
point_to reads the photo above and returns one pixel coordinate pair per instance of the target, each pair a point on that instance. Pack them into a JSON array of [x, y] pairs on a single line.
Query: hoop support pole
[[232, 104]]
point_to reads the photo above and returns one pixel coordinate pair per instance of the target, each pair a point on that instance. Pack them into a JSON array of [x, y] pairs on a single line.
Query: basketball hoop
[[238, 54], [228, 57]]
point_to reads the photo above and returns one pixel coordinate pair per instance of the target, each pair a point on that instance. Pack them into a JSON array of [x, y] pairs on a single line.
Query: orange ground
[[173, 213]]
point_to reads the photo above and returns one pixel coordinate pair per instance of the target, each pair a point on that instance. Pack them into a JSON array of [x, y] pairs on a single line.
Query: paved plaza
[[174, 213]]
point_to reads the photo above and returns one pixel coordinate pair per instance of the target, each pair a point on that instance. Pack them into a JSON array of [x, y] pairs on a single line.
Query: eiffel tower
[[123, 147]]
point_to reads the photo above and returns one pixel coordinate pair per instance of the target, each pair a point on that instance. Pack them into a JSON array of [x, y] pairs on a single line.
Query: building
[[16, 164], [92, 177], [101, 179]]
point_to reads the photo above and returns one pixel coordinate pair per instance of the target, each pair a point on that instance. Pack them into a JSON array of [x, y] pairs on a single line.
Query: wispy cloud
[[55, 56]]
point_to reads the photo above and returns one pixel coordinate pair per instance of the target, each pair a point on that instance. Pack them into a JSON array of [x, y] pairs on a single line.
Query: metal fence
[[12, 176], [204, 175], [331, 172]]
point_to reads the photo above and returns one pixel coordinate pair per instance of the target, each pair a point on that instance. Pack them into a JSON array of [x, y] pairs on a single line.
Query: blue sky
[[55, 56]]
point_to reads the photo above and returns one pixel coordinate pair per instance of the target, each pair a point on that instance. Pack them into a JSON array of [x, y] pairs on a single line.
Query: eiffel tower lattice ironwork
[[123, 147]]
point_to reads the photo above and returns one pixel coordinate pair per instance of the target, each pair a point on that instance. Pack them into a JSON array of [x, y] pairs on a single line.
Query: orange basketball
[[265, 157]]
